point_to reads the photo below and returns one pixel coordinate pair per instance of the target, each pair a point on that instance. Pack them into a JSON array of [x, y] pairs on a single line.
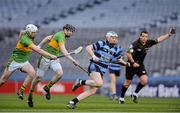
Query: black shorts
[[116, 72], [131, 71]]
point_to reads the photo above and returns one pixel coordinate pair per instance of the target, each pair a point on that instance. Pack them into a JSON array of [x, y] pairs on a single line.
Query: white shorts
[[15, 65], [45, 64]]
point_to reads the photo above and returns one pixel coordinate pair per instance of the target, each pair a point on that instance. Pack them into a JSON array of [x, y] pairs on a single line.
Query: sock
[[123, 91], [75, 100], [21, 90], [50, 84], [83, 82], [139, 87], [31, 91]]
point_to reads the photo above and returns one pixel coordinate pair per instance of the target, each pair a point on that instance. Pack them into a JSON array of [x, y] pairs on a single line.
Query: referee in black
[[136, 55]]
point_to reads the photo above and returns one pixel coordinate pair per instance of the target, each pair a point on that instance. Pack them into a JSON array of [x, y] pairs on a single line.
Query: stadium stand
[[94, 18]]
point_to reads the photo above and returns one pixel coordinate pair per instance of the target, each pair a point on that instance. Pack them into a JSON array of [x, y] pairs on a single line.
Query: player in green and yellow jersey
[[21, 55], [56, 46]]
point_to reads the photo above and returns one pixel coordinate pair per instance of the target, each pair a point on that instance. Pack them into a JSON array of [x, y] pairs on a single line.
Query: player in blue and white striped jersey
[[102, 53], [114, 73]]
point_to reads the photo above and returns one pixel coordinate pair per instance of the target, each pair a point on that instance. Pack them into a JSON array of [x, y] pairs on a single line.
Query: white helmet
[[111, 33], [31, 28]]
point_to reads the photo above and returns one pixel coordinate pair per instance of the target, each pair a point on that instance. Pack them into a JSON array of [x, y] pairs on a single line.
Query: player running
[[136, 55], [114, 73], [102, 52], [56, 46], [21, 55]]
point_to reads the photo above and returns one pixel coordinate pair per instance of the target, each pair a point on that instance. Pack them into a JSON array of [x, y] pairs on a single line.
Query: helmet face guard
[[31, 28]]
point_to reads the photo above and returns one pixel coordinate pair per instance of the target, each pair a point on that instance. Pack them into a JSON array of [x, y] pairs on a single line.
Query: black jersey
[[139, 51]]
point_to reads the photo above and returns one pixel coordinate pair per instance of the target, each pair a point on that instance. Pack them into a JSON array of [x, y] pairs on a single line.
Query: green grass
[[96, 103]]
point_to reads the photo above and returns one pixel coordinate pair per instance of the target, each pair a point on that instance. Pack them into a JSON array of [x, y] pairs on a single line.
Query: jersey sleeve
[[152, 42], [25, 42], [97, 45], [120, 52]]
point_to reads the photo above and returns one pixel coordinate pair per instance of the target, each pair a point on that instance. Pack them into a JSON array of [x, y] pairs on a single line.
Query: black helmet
[[69, 27]]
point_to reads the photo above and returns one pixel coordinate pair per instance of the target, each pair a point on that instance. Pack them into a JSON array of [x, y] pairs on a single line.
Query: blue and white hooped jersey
[[113, 66], [106, 52]]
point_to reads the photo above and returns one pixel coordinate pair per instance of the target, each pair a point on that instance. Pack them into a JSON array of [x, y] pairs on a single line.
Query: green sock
[[50, 84], [22, 89]]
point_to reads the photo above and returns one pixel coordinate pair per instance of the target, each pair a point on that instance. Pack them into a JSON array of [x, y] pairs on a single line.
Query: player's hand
[[95, 58], [172, 31], [136, 65], [128, 64], [53, 57]]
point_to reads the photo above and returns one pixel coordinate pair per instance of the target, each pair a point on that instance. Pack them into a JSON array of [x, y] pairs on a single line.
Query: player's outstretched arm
[[65, 52], [42, 52], [120, 60], [45, 40], [166, 36]]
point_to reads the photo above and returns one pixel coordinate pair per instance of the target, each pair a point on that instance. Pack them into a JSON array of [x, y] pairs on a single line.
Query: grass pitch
[[96, 103]]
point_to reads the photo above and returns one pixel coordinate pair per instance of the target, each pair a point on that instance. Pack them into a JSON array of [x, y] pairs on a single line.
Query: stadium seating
[[93, 18]]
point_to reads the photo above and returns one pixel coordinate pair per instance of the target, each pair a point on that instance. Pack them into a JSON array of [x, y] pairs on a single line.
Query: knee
[[31, 73], [93, 91], [2, 82], [59, 73], [127, 83], [99, 84], [144, 82]]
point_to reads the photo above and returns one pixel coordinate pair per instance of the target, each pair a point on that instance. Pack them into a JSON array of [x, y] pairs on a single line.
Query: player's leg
[[34, 83], [78, 83], [124, 88], [42, 67], [142, 74], [98, 82], [5, 76], [141, 84], [28, 68], [129, 76], [93, 70], [10, 68], [56, 66], [112, 88]]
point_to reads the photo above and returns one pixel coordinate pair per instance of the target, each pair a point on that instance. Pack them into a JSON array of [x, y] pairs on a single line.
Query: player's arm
[[166, 36], [121, 61], [90, 51], [65, 52], [42, 52], [45, 40], [129, 56]]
